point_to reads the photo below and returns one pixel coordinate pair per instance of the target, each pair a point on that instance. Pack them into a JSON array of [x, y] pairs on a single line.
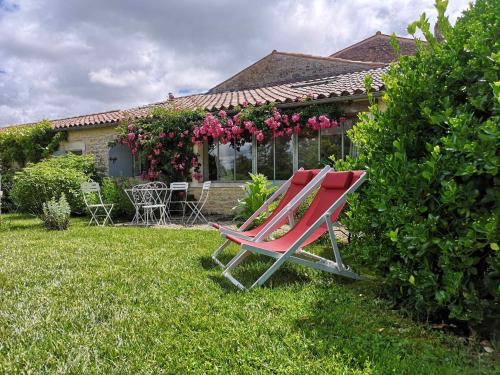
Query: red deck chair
[[318, 219], [294, 191]]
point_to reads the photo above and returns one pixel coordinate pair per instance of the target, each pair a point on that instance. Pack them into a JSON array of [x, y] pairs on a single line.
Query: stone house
[[280, 77]]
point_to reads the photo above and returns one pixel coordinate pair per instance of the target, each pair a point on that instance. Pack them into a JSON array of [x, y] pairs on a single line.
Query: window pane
[[244, 161], [331, 144], [226, 162], [284, 158], [212, 160], [308, 150], [265, 158]]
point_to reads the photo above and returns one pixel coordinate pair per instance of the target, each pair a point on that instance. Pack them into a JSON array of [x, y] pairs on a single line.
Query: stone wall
[[280, 67], [222, 197], [91, 141]]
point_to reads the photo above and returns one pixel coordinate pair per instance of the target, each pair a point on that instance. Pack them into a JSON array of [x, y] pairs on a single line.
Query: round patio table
[[149, 199]]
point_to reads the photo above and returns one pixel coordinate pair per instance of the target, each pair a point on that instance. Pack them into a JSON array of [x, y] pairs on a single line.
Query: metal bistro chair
[[197, 206], [92, 191], [155, 203], [177, 190], [150, 198]]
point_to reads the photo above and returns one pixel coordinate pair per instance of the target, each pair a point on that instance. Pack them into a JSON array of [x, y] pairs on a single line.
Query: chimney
[[171, 97], [437, 33]]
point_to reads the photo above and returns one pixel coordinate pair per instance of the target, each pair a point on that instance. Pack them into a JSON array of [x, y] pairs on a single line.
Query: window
[[230, 163], [243, 160], [308, 150], [278, 158], [265, 158], [275, 158], [331, 144], [283, 158]]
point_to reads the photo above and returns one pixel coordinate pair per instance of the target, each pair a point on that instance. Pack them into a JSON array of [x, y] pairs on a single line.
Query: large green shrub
[[427, 219], [38, 183]]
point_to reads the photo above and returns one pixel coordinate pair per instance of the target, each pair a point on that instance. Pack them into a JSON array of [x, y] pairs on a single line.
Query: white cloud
[[60, 58], [128, 78]]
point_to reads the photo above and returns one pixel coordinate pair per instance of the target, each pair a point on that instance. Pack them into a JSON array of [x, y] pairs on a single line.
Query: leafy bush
[[427, 219], [38, 183], [256, 193], [113, 191], [55, 214]]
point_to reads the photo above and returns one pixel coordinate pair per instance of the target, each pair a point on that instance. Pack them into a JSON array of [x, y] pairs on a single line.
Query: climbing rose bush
[[165, 139]]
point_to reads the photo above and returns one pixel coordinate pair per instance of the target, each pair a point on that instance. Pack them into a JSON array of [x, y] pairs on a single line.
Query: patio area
[[130, 300]]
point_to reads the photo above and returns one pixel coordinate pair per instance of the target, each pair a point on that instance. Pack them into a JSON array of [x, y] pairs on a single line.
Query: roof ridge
[[376, 35], [329, 58]]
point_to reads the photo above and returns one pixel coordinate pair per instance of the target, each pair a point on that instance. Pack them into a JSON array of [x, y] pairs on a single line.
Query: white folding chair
[[197, 206], [154, 203], [177, 198], [91, 192]]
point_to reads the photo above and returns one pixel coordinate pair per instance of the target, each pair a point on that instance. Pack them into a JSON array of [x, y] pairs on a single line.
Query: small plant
[[55, 214], [256, 193]]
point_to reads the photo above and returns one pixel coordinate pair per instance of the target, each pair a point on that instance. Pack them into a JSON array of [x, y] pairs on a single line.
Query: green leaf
[[412, 280], [494, 246]]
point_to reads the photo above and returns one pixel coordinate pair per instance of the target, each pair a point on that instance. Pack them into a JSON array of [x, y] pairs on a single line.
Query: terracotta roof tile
[[335, 86]]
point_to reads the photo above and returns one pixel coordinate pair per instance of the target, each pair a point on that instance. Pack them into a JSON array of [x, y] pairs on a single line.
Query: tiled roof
[[103, 118], [344, 85]]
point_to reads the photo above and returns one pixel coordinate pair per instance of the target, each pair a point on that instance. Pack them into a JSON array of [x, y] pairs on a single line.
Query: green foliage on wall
[[427, 220], [22, 144]]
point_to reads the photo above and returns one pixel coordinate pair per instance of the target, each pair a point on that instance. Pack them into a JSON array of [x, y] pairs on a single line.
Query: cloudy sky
[[60, 58]]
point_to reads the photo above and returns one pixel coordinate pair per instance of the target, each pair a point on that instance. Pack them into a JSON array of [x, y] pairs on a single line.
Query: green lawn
[[136, 300]]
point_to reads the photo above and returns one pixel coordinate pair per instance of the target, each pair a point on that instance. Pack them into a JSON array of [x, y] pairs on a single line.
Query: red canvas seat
[[317, 220], [294, 187]]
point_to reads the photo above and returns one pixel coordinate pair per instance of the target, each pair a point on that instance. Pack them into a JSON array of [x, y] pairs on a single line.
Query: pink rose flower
[[222, 114], [163, 135], [131, 137], [171, 135], [259, 135], [295, 117]]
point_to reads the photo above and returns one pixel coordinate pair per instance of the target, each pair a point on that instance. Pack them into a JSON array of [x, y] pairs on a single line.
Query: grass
[[137, 300]]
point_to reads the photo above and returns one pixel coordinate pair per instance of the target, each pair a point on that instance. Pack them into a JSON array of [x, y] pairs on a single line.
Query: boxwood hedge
[[427, 219]]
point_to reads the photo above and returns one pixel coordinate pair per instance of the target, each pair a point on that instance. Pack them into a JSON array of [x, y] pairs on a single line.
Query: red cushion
[[301, 177], [337, 180]]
